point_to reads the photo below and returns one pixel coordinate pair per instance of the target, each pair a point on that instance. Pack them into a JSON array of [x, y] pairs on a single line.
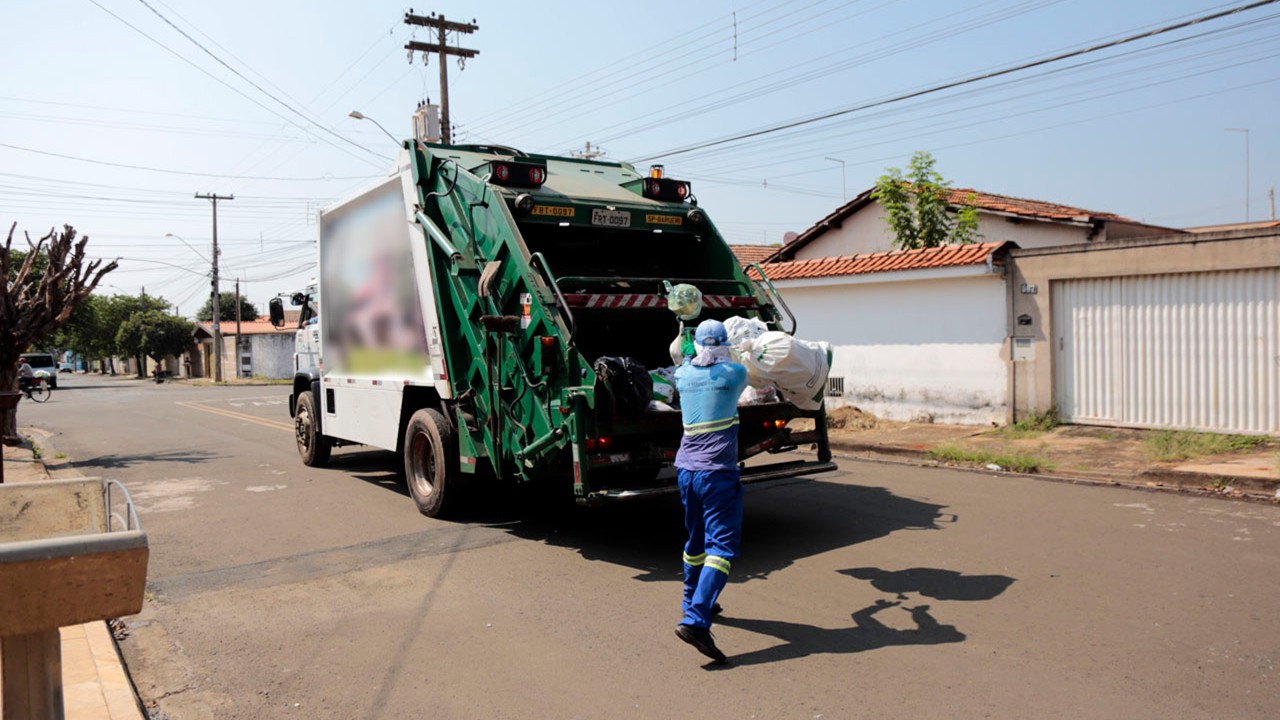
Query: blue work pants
[[713, 518]]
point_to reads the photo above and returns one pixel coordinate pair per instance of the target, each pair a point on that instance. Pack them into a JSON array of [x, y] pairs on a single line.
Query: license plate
[[611, 218]]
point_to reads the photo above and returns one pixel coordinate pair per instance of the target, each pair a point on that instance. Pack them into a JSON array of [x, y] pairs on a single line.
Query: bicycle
[[37, 389]]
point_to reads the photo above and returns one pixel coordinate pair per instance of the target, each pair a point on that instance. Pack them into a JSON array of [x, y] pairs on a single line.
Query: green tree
[[227, 308], [42, 287], [155, 334], [920, 214]]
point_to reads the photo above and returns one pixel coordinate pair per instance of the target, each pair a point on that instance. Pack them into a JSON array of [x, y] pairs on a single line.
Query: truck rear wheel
[[431, 463], [313, 446]]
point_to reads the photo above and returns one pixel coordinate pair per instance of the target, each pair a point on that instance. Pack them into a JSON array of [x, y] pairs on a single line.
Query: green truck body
[[526, 269]]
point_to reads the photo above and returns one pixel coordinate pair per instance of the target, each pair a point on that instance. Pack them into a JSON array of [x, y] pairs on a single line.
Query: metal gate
[[1186, 350]]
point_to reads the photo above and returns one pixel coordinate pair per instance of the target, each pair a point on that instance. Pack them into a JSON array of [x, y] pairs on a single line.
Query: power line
[[219, 80], [325, 178], [962, 82], [260, 89]]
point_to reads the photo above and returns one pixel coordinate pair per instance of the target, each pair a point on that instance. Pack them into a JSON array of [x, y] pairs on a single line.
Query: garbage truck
[[463, 305]]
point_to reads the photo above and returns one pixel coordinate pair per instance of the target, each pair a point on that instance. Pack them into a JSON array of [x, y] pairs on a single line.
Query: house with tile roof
[[924, 334], [916, 335], [858, 227], [264, 351]]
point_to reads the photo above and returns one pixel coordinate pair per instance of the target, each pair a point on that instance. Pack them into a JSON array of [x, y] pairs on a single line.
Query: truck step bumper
[[762, 473]]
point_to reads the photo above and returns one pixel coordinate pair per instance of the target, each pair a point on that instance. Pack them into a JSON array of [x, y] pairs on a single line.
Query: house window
[[835, 387]]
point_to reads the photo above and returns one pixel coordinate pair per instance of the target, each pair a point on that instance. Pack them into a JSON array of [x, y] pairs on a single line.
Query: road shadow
[[867, 633], [380, 468], [116, 462], [783, 522], [933, 582]]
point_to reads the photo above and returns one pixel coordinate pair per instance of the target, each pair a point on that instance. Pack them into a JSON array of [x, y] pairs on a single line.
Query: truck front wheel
[[431, 462], [312, 445]]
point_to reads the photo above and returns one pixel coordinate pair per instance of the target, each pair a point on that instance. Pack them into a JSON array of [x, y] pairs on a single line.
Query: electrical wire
[[219, 80], [959, 83], [324, 178], [260, 89]]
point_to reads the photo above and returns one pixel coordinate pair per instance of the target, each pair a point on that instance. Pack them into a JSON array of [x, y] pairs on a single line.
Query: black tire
[[431, 463], [40, 392], [313, 446]]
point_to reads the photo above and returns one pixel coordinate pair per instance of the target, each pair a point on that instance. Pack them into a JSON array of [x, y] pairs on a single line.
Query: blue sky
[[1138, 130]]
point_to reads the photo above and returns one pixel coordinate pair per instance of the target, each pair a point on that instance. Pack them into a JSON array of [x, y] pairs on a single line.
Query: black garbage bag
[[625, 382]]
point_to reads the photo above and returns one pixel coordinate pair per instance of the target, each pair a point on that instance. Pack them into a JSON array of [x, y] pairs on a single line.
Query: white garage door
[[1187, 350]]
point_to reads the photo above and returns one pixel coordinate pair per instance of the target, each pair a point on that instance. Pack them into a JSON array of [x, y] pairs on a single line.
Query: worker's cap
[[711, 332]]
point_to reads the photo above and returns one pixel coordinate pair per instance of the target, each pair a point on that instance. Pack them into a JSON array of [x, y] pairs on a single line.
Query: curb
[[114, 682], [1153, 478]]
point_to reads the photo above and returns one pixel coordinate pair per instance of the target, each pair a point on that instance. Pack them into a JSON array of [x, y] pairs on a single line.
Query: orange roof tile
[[989, 202], [894, 261], [249, 327], [748, 254]]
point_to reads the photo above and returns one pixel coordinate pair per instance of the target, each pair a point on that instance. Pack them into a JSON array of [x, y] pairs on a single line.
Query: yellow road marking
[[239, 416]]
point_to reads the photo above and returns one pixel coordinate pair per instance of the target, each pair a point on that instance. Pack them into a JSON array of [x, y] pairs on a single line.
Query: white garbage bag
[[798, 368], [758, 396], [741, 328]]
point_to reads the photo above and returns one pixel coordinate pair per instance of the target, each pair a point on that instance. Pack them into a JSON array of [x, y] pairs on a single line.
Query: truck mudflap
[[759, 473]]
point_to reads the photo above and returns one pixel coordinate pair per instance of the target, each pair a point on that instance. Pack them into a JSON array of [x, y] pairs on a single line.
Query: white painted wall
[[866, 232], [271, 356], [924, 350]]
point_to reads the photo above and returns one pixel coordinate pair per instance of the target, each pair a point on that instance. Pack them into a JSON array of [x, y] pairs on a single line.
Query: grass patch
[[1033, 426], [36, 451], [1013, 460], [1169, 445], [60, 456]]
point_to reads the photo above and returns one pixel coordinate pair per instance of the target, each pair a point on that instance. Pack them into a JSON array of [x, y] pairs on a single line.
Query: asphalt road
[[279, 591]]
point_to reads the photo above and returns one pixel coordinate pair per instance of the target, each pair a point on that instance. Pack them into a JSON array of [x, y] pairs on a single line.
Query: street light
[[1246, 168], [360, 116], [184, 242], [844, 193]]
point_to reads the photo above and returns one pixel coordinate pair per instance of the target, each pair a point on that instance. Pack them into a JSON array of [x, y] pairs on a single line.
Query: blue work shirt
[[709, 406]]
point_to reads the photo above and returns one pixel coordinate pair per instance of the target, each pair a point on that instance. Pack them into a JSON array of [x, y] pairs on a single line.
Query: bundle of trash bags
[[626, 383]]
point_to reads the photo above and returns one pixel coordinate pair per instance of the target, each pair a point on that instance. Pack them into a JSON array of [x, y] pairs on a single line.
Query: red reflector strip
[[641, 301], [728, 301]]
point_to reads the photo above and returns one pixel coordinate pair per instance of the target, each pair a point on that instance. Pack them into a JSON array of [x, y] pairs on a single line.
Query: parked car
[[45, 362], [64, 367]]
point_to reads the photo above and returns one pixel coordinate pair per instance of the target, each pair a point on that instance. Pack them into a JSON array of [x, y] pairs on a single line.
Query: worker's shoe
[[701, 639], [716, 609]]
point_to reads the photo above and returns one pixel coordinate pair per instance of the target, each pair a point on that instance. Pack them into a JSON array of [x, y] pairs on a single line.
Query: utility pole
[[441, 46], [238, 371], [590, 153], [1272, 194], [217, 325]]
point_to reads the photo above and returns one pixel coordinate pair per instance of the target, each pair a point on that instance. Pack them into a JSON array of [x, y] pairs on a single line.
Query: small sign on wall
[[1023, 349], [1029, 289]]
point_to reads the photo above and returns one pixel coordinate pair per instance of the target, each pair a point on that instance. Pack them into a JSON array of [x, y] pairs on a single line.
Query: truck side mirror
[[276, 308]]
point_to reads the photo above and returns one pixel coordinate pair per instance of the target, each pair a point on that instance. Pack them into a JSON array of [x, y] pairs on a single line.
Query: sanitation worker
[[710, 485]]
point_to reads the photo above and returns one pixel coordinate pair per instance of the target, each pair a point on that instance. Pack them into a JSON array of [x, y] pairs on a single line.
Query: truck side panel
[[374, 324]]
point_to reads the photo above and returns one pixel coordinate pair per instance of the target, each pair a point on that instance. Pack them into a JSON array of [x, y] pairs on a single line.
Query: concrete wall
[[866, 232], [920, 345], [1032, 390], [270, 356]]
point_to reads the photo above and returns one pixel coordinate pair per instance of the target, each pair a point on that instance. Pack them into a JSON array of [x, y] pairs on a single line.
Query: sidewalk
[[94, 683], [1223, 464]]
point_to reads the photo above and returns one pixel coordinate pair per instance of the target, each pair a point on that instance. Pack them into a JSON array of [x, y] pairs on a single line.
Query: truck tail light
[[661, 188], [512, 173]]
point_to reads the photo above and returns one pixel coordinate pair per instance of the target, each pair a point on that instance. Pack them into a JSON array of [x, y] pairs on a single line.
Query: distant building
[[858, 226], [264, 351]]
